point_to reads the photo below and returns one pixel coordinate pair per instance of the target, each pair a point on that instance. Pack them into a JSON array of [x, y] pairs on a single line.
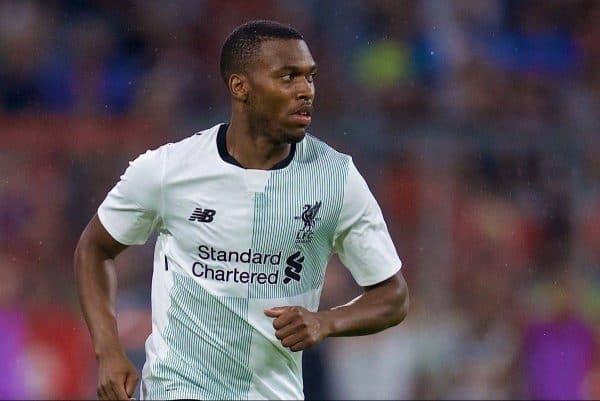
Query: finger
[[109, 393], [287, 318], [275, 312], [119, 393], [131, 383], [301, 346], [293, 327], [119, 390], [293, 339]]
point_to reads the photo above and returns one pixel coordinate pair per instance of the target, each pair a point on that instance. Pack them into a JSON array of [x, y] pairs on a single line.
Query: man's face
[[281, 89]]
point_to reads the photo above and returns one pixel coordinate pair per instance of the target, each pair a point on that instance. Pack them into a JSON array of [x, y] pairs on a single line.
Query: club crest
[[309, 219]]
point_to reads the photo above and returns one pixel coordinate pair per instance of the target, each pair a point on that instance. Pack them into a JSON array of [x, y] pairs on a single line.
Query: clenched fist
[[117, 377], [298, 328]]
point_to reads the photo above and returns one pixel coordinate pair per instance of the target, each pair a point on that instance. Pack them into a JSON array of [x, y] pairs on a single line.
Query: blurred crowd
[[475, 123]]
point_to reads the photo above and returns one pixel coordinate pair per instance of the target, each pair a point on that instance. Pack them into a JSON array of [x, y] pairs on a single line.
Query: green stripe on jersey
[[317, 173], [209, 346]]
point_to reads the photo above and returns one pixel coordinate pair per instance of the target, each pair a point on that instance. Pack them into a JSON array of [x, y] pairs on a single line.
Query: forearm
[[373, 311], [97, 285]]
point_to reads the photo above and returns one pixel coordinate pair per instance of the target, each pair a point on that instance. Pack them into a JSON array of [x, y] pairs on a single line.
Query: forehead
[[274, 54]]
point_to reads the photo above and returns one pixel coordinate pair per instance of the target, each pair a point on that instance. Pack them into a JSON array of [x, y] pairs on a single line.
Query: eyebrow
[[294, 68]]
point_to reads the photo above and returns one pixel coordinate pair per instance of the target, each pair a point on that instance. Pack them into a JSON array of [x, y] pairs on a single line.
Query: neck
[[252, 147]]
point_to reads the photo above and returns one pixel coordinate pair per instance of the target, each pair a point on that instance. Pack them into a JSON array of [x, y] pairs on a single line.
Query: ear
[[238, 86]]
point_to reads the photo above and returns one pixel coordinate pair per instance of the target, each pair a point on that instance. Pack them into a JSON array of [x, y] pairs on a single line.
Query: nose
[[306, 90]]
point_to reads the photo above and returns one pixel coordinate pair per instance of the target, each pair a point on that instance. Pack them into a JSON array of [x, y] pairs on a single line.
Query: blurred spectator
[[560, 348], [13, 347]]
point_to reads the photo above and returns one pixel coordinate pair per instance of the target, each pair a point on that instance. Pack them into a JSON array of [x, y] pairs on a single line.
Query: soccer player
[[248, 214]]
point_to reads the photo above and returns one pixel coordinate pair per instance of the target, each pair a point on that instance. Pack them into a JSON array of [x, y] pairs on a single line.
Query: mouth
[[302, 115]]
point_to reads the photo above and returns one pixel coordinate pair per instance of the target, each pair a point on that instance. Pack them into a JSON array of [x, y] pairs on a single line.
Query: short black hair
[[245, 40]]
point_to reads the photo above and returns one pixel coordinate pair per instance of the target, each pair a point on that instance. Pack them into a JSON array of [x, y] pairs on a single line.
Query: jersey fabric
[[233, 242]]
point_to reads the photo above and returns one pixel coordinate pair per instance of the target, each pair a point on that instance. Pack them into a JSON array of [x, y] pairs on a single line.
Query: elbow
[[78, 255], [393, 301], [404, 306], [83, 251], [401, 304]]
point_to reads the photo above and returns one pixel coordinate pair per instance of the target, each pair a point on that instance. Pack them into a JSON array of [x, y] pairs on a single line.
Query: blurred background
[[475, 123]]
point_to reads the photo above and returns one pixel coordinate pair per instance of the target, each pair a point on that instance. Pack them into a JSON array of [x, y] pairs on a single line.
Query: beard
[[262, 124], [291, 139]]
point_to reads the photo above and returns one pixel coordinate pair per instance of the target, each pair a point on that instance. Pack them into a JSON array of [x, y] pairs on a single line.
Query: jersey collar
[[222, 147]]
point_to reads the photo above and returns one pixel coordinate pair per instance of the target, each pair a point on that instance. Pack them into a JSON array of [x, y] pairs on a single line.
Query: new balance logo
[[202, 215], [294, 267]]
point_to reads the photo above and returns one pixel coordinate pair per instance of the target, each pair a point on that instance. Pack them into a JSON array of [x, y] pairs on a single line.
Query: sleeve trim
[[382, 276], [113, 233]]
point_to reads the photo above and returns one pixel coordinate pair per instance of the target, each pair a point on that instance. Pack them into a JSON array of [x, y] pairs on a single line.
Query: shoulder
[[314, 150], [179, 155], [185, 151], [318, 155], [202, 141]]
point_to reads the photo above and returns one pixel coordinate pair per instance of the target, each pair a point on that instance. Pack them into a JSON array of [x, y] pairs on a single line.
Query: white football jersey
[[233, 242]]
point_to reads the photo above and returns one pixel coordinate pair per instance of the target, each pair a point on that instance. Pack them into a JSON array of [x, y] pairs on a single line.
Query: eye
[[311, 77], [287, 77]]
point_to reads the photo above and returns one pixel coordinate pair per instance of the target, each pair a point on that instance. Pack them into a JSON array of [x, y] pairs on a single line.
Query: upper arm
[[133, 208], [362, 240], [396, 282], [395, 285], [96, 237], [392, 291]]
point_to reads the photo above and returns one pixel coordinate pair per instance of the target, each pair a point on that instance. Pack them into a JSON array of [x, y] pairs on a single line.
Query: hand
[[117, 377], [297, 327]]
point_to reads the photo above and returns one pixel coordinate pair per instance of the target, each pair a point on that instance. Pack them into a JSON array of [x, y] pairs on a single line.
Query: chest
[[240, 211]]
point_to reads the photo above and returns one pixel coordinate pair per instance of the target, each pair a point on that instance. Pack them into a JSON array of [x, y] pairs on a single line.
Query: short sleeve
[[132, 209], [362, 239]]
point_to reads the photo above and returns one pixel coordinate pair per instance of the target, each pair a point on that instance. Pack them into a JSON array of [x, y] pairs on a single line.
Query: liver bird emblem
[[309, 214]]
